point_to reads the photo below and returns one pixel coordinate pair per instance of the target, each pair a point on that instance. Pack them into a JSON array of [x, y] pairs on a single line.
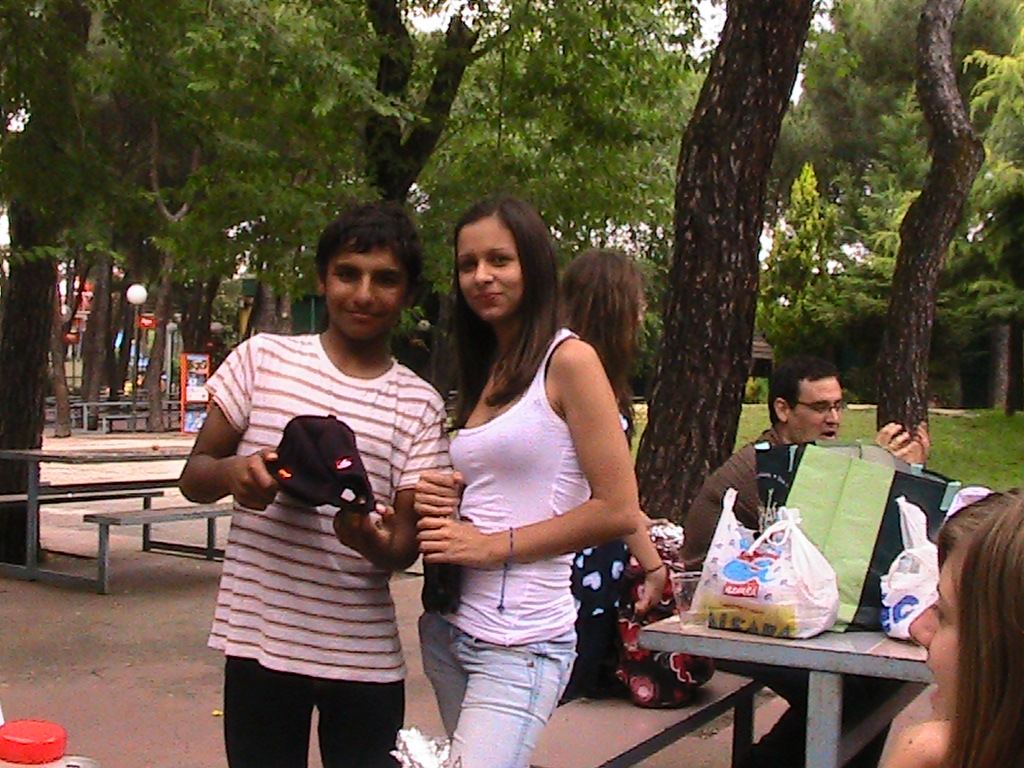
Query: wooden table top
[[114, 455]]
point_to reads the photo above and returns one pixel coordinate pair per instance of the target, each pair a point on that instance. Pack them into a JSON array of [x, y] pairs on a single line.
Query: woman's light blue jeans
[[494, 699]]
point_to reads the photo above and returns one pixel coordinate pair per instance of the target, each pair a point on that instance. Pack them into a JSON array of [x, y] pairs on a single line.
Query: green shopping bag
[[848, 508]]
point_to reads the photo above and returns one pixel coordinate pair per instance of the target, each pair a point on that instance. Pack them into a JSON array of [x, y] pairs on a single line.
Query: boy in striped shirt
[[304, 614]]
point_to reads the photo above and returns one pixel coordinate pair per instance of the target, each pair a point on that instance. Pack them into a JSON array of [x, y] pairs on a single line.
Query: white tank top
[[520, 468]]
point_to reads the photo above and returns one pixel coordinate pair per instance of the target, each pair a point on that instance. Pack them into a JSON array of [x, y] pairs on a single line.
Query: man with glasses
[[805, 404]]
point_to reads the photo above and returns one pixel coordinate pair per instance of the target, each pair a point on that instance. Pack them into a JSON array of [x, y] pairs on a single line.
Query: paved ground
[[128, 674]]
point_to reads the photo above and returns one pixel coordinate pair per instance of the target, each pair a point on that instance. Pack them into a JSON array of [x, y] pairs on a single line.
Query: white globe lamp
[[137, 294]]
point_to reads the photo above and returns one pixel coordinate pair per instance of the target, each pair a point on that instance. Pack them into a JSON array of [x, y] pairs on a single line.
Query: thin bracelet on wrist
[[504, 570], [658, 567]]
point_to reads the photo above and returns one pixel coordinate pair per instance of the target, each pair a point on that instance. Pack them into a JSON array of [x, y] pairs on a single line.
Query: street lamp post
[[136, 295], [172, 328]]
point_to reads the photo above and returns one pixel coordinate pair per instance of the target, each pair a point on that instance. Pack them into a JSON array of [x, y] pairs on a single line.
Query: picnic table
[[827, 658], [35, 457]]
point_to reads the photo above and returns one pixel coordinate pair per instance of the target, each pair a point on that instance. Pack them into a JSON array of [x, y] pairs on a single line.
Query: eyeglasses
[[824, 406]]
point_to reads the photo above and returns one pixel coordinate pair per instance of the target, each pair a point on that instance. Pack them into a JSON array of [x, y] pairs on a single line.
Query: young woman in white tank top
[[541, 471]]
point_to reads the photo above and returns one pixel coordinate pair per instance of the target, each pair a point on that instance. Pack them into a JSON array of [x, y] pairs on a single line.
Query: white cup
[[684, 586]]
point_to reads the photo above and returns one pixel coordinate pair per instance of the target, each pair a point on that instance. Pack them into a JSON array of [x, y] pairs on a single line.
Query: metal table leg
[[824, 719], [32, 521]]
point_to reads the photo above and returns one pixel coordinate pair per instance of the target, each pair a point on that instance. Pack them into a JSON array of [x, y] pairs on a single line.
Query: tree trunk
[[929, 223], [999, 366], [96, 340], [24, 344], [154, 371], [721, 179], [58, 373], [114, 369], [395, 154], [122, 367], [197, 310], [1015, 368], [270, 314], [442, 355], [5, 287]]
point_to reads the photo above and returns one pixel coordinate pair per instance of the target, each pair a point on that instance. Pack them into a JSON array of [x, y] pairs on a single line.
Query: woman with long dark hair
[[539, 452], [603, 301]]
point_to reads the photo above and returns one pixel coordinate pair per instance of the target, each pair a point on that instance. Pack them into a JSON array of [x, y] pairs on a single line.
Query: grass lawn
[[975, 447]]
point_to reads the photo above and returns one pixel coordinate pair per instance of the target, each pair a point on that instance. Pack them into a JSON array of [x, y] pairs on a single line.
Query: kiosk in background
[[195, 370]]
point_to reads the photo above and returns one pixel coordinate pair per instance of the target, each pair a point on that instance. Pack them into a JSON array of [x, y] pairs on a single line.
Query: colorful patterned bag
[[655, 679]]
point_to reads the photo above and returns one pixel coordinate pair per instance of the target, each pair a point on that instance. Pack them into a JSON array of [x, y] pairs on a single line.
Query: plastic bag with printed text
[[775, 584]]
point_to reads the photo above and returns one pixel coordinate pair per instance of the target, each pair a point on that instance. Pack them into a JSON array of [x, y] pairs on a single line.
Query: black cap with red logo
[[318, 463]]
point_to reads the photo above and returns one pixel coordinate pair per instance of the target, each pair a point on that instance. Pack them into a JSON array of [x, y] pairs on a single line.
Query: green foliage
[[798, 276], [988, 279], [245, 122], [986, 282], [47, 164], [579, 108], [1000, 95], [756, 391], [858, 109], [274, 87], [859, 124], [224, 134]]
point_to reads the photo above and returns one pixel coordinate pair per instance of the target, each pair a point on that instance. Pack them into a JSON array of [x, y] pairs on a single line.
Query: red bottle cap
[[32, 742]]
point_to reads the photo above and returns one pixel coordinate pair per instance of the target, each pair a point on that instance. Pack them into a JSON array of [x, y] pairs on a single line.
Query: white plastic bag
[[415, 750], [912, 584], [777, 584]]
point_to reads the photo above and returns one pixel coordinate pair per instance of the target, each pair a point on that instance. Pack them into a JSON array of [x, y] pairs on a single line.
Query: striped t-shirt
[[291, 595]]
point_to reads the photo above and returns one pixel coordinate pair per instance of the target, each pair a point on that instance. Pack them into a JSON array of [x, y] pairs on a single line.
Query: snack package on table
[[775, 584], [668, 540]]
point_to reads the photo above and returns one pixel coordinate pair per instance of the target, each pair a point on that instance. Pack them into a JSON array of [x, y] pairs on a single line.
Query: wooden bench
[[107, 490], [103, 414], [137, 422], [70, 497], [613, 733], [131, 423], [113, 485], [148, 517]]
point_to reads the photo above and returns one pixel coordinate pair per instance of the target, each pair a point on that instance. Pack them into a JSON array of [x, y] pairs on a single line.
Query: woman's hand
[[446, 540], [438, 494], [652, 590]]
